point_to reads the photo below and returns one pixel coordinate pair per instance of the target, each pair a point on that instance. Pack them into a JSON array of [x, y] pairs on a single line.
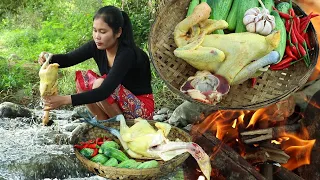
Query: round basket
[[271, 87], [86, 132]]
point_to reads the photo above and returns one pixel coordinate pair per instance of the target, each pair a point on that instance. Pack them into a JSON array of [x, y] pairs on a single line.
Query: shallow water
[[26, 152]]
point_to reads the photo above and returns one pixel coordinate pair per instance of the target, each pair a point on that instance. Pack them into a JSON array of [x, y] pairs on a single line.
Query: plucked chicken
[[48, 82], [142, 141]]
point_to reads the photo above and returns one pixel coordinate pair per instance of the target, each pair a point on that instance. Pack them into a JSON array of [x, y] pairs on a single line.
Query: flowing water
[[29, 151]]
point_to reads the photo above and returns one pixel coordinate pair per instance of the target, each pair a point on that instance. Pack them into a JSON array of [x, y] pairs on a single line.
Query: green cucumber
[[283, 34], [109, 144], [115, 153], [129, 163], [191, 7], [220, 11], [232, 16], [87, 152], [268, 4], [148, 164], [112, 162], [99, 158]]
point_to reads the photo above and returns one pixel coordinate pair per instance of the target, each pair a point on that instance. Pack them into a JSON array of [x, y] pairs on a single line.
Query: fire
[[227, 126], [298, 149]]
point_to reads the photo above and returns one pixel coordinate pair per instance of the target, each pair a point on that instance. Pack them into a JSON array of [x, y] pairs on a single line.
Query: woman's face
[[103, 35]]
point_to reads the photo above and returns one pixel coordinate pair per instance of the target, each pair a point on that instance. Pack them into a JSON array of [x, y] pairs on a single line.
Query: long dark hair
[[115, 18]]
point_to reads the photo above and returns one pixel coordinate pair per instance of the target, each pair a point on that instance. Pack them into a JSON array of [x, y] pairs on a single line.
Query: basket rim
[[247, 106]]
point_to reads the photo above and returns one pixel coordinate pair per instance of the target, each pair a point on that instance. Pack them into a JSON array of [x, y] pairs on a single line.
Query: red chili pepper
[[314, 15], [91, 146], [253, 82], [297, 35], [281, 67], [289, 53], [294, 39], [287, 25], [100, 143], [306, 37], [305, 24], [95, 152], [302, 50], [284, 65], [286, 60], [305, 21], [296, 20], [304, 55], [284, 15], [294, 50], [291, 12], [99, 139], [88, 142]]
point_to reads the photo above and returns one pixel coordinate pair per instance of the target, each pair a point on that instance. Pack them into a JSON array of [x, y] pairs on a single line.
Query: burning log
[[262, 155], [281, 173], [255, 136], [229, 163], [266, 170], [312, 122]]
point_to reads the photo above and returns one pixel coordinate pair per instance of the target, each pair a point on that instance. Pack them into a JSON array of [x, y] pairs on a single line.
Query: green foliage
[[28, 27], [139, 13], [9, 78]]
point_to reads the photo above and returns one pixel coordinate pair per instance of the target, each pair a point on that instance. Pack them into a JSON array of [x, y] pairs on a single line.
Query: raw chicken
[[144, 142], [48, 82]]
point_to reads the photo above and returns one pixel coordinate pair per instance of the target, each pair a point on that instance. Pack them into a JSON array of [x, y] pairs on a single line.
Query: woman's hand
[[53, 102], [42, 57]]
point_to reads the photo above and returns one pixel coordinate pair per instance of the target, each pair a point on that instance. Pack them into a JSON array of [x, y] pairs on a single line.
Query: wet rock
[[186, 113], [71, 127], [163, 111], [11, 110], [62, 138], [160, 117], [79, 109], [58, 166]]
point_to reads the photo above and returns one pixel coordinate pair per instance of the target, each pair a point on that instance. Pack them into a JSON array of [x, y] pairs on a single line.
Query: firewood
[[255, 136], [223, 158]]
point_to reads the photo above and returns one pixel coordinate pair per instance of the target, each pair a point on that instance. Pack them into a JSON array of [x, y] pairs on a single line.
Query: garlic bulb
[[259, 21]]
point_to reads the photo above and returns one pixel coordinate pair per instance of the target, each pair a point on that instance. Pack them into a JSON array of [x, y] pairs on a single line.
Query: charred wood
[[281, 173], [266, 169], [223, 158], [262, 155], [255, 136]]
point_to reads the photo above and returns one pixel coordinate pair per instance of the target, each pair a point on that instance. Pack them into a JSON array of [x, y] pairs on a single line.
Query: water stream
[[28, 151]]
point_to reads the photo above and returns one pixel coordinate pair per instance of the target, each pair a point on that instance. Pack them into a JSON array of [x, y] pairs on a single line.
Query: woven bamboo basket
[[271, 87], [86, 132]]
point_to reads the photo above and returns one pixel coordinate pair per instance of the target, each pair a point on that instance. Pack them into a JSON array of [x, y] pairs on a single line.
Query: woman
[[125, 86]]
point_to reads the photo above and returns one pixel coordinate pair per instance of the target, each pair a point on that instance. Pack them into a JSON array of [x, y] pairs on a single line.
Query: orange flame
[[298, 149], [226, 125]]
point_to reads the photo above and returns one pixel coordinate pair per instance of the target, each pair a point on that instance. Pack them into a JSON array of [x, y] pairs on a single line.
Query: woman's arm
[[76, 56], [122, 63]]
